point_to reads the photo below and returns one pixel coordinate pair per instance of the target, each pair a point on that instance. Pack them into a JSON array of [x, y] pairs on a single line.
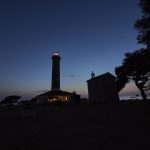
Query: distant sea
[[131, 97]]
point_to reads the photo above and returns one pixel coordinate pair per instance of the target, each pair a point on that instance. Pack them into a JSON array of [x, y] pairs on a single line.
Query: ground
[[122, 126]]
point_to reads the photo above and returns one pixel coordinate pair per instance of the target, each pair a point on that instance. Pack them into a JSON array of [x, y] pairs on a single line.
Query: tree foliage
[[136, 67], [9, 100], [121, 78], [143, 24]]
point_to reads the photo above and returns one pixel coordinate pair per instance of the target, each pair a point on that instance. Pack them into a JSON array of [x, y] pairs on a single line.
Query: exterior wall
[[102, 90], [75, 99], [67, 98], [55, 72], [42, 100]]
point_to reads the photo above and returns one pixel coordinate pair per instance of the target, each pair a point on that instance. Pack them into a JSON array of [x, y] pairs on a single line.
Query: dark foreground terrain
[[123, 126]]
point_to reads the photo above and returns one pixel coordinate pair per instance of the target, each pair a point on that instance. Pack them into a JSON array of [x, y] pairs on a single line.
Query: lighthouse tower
[[55, 85]]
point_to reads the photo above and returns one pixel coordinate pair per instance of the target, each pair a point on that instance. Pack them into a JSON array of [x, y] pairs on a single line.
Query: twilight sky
[[88, 34]]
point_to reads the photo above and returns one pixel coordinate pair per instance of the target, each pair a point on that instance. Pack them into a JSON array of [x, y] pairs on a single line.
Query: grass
[[95, 126]]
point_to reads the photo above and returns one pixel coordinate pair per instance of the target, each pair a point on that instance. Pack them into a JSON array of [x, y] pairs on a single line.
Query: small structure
[[102, 88]]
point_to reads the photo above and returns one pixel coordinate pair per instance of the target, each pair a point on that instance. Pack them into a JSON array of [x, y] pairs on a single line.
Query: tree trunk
[[141, 88]]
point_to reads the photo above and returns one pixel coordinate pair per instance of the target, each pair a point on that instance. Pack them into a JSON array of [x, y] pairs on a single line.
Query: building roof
[[106, 75]]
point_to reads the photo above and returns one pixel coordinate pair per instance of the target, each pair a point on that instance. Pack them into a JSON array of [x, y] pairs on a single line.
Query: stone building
[[102, 88]]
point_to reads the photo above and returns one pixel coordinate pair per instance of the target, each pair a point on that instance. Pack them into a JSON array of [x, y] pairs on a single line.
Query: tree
[[9, 100], [136, 67], [143, 24], [121, 78]]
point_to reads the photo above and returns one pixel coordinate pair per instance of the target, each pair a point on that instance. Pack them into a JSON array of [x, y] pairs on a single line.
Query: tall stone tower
[[55, 85]]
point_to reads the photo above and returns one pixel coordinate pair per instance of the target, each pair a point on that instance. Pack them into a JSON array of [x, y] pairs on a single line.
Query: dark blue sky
[[88, 34]]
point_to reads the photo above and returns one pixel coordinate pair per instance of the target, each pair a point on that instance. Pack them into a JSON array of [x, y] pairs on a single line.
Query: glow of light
[[56, 54]]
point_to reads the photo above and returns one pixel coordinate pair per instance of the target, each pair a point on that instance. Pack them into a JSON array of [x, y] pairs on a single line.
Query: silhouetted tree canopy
[[136, 67], [143, 24], [121, 77], [10, 99]]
